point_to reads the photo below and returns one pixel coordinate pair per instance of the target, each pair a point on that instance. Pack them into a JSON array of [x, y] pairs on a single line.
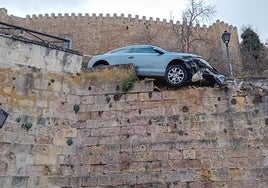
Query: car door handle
[[130, 57]]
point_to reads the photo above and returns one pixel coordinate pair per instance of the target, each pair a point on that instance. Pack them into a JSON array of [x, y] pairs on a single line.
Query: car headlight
[[222, 79]]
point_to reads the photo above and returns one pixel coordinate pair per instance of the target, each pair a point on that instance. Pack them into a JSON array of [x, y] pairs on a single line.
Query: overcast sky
[[234, 12]]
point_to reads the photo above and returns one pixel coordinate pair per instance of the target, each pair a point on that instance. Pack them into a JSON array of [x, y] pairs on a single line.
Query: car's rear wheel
[[101, 64], [176, 76]]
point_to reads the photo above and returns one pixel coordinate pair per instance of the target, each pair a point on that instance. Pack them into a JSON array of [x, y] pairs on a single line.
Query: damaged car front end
[[192, 69], [202, 71]]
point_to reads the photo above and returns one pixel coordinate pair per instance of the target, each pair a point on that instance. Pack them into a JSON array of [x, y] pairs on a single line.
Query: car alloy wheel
[[176, 75]]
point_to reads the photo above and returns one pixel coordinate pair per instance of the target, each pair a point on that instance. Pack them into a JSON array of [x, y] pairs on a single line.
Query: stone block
[[12, 54], [112, 131], [19, 181], [189, 154], [89, 181], [69, 133], [41, 103], [26, 139], [24, 158], [144, 97], [153, 166], [130, 179], [136, 167], [238, 174], [40, 83], [195, 164], [87, 99], [3, 168], [9, 137], [220, 174], [45, 159], [143, 178], [34, 170], [34, 182], [144, 156], [117, 179], [160, 155], [7, 90], [257, 173], [175, 155], [68, 151], [26, 58], [132, 97], [27, 103], [140, 147], [104, 180], [161, 146], [58, 181], [126, 130], [73, 99], [230, 162], [54, 86], [91, 141], [172, 176], [4, 77], [139, 129], [60, 141], [188, 175], [3, 51]]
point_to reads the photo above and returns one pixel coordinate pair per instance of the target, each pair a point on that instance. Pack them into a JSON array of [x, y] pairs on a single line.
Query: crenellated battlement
[[114, 16], [119, 17], [96, 16]]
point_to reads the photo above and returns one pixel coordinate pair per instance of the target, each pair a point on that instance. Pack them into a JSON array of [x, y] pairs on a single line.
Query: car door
[[119, 56], [148, 61]]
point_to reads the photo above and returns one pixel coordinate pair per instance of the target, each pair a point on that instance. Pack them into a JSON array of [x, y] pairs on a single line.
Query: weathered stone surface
[[144, 139], [189, 154], [18, 53]]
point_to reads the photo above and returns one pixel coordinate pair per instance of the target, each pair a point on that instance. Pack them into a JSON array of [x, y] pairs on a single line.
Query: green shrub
[[70, 141], [76, 108], [27, 126], [128, 83]]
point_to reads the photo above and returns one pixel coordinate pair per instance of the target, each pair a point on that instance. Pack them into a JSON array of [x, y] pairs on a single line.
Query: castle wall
[[96, 34], [17, 52], [82, 131]]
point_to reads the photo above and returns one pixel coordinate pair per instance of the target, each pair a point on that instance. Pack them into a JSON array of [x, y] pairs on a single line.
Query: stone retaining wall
[[72, 131], [82, 130], [16, 52]]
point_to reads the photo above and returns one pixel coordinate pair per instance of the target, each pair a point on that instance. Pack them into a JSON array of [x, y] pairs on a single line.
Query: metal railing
[[9, 29]]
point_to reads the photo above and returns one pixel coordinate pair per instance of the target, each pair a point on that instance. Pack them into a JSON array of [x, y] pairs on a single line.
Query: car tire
[[101, 64], [176, 76]]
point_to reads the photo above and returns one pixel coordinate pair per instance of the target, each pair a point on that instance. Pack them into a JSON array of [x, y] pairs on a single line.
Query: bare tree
[[187, 34], [147, 35]]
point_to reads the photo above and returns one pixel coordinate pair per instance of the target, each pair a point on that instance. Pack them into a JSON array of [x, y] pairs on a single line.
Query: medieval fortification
[[65, 127], [96, 34]]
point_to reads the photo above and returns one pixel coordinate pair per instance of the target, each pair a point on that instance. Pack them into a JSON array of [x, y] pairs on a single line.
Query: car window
[[123, 50], [144, 50]]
